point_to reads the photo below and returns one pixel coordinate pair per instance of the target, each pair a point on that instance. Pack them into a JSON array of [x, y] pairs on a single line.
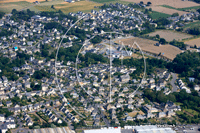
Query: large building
[[149, 129], [110, 130]]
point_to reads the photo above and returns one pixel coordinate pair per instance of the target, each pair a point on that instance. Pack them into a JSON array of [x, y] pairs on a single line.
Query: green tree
[[175, 14], [162, 41], [52, 6]]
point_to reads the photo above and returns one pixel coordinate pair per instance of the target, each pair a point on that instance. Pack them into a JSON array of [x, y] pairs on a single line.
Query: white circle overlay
[[56, 58]]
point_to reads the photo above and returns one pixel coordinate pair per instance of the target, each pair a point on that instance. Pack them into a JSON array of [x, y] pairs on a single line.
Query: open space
[[166, 10], [171, 35], [191, 25], [172, 3], [7, 7], [77, 6], [85, 6], [7, 1], [169, 51], [193, 42]]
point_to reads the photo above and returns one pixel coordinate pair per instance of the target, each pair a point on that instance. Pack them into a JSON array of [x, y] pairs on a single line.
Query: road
[[172, 82]]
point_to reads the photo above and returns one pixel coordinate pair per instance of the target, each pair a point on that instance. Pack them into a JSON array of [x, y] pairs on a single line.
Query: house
[[157, 44], [2, 118], [8, 103], [162, 114], [170, 113], [196, 88], [125, 78]]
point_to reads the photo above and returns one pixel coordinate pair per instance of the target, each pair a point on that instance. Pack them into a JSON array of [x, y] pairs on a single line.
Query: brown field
[[166, 10], [8, 1], [77, 6], [193, 42], [170, 35], [134, 113], [169, 51], [173, 3]]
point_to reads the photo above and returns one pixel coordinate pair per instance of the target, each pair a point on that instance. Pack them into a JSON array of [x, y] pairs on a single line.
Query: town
[[53, 79]]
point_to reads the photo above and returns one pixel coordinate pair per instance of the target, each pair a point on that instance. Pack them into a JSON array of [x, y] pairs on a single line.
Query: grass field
[[84, 6], [156, 15], [171, 35], [182, 9], [169, 51], [191, 25], [7, 7], [102, 1]]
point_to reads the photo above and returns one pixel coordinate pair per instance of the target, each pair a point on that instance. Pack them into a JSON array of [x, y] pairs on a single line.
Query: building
[[149, 129], [110, 130]]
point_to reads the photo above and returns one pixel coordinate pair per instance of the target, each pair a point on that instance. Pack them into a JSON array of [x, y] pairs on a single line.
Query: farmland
[[166, 10], [169, 6], [169, 51], [182, 9], [171, 35], [156, 15], [193, 42], [191, 25], [8, 1], [85, 6], [7, 7], [172, 3]]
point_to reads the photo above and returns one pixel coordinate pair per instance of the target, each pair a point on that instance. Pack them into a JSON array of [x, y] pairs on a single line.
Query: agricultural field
[[171, 35], [84, 6], [156, 15], [183, 9], [166, 10], [169, 51], [193, 42], [172, 3], [8, 1], [7, 7], [169, 6], [191, 25]]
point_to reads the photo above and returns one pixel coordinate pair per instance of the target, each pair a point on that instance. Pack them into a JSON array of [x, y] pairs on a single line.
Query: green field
[[182, 9], [103, 1], [191, 25], [111, 1], [156, 15]]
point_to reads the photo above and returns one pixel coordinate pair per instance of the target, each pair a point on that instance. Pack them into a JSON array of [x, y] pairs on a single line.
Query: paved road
[[172, 82]]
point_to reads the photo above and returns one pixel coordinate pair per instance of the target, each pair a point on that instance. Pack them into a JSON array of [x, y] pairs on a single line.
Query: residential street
[[172, 82]]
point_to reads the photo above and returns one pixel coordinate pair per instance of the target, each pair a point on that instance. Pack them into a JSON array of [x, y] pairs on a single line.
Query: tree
[[52, 6], [162, 41], [51, 104], [158, 36], [148, 3], [175, 14], [141, 2], [150, 9]]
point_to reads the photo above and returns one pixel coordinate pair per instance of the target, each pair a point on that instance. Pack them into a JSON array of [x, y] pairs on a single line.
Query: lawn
[[156, 15]]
